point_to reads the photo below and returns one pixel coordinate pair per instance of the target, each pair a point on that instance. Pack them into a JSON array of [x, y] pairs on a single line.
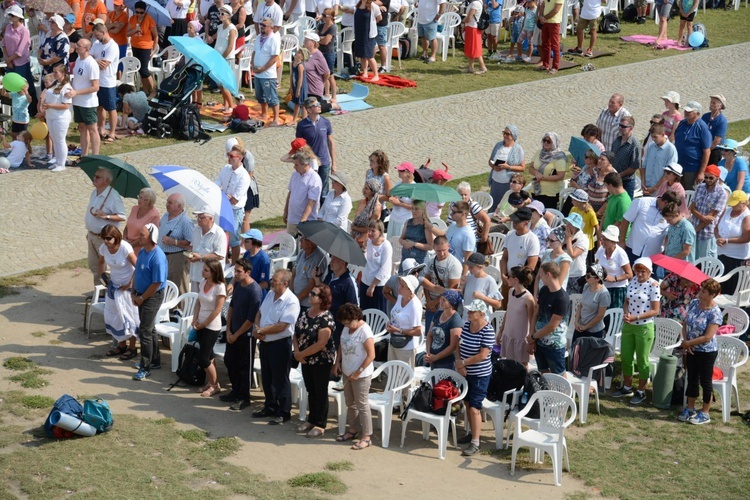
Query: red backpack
[[442, 392]]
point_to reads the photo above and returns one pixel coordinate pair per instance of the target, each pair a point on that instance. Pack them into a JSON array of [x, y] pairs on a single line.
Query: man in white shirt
[[441, 272], [234, 182], [269, 9], [647, 226], [105, 207], [85, 83], [178, 10], [521, 247], [208, 242], [428, 13], [293, 11], [266, 50], [275, 326], [107, 55]]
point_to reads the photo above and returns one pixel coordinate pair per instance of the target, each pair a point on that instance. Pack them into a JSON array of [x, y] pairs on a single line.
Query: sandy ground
[[55, 306]]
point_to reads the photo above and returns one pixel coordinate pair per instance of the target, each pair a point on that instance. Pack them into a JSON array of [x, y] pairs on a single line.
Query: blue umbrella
[[209, 59], [198, 191], [159, 14], [578, 148]]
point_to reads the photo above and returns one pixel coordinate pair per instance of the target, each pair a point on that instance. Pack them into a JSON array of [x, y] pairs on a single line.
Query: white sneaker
[[526, 59], [52, 165], [52, 160], [59, 168], [495, 57]]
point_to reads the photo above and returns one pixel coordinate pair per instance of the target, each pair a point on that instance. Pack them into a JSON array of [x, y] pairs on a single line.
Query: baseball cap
[[96, 21], [476, 259], [693, 106], [70, 18], [253, 234], [408, 166], [737, 197], [441, 175], [153, 231], [311, 35], [204, 210], [672, 97], [675, 168], [297, 144]]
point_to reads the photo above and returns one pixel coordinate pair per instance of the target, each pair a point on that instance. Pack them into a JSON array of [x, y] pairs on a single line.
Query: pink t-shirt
[[676, 188], [315, 68], [134, 225], [670, 122]]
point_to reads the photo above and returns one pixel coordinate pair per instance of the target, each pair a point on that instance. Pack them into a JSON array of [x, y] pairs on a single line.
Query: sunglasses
[[516, 182], [709, 178], [623, 125], [546, 141], [507, 133], [232, 156], [140, 12]]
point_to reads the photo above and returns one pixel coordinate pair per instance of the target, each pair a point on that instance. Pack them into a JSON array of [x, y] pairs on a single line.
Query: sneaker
[[52, 165], [640, 397], [471, 450], [700, 418], [240, 405], [507, 59], [588, 53], [51, 160], [641, 20], [142, 375], [59, 168], [154, 366], [262, 414], [526, 59], [382, 70], [495, 57], [686, 414], [279, 420], [465, 440], [519, 59], [622, 392]]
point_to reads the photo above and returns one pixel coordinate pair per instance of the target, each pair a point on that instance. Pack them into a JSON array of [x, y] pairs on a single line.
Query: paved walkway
[[41, 214]]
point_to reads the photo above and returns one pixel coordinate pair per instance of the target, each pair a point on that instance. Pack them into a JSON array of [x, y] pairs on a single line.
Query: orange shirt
[[144, 40], [79, 17], [120, 38], [91, 12]]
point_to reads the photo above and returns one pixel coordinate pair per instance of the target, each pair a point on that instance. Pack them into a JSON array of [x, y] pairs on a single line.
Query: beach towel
[[649, 40], [392, 81]]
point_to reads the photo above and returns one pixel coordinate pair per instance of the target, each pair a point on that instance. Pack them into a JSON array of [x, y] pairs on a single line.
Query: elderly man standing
[[266, 50], [85, 85], [274, 329], [149, 280], [304, 194], [693, 142], [177, 231], [234, 182], [105, 207], [627, 150], [659, 153], [709, 203], [609, 120], [311, 263], [318, 133], [208, 242]]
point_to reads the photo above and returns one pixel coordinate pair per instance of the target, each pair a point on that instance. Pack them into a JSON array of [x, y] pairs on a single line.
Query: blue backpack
[[65, 404], [96, 413]]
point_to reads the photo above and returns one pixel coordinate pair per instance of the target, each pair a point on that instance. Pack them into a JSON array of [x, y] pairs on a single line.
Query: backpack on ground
[[534, 383], [248, 125], [65, 404], [96, 413], [442, 393], [610, 24], [190, 124], [630, 13], [421, 400], [188, 369], [507, 375], [403, 48]]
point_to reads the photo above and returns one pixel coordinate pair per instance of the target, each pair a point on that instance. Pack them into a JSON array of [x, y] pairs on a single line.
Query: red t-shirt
[[241, 111]]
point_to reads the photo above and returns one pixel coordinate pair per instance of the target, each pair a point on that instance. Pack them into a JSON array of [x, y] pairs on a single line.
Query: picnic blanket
[[387, 80], [649, 40], [215, 112], [564, 63]]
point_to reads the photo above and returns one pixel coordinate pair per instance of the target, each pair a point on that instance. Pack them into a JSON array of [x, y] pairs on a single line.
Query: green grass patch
[[19, 363], [37, 402], [55, 342], [38, 334], [323, 481], [342, 465], [9, 284], [32, 379], [739, 130], [194, 435], [20, 405]]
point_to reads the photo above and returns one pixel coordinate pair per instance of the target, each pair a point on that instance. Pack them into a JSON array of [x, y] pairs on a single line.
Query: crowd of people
[[427, 264]]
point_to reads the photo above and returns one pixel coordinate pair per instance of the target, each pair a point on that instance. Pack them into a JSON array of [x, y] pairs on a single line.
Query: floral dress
[[677, 309], [306, 331]]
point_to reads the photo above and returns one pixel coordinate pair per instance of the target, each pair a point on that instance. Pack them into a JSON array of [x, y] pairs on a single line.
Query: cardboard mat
[[564, 63]]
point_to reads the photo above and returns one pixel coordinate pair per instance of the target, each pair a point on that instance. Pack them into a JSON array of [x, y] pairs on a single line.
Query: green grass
[[31, 376], [9, 284], [323, 481], [337, 466], [37, 402], [19, 363]]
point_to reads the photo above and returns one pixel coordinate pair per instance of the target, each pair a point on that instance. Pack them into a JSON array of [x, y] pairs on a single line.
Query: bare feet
[[375, 79], [274, 123]]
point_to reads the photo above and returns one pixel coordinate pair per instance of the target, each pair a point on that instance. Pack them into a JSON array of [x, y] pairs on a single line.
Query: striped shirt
[[471, 343], [179, 228], [609, 125], [705, 201]]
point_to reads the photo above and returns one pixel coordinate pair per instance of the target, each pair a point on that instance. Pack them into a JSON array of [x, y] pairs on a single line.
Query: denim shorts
[[265, 91], [477, 390], [427, 31], [330, 60], [382, 37], [107, 98], [550, 358], [239, 215]]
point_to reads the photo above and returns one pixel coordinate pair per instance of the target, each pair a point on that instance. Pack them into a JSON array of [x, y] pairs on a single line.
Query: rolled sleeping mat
[[72, 424]]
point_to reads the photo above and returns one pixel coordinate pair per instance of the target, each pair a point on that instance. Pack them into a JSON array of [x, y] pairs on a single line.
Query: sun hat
[[412, 283], [672, 97], [537, 206], [407, 165], [597, 270], [721, 99], [729, 145], [612, 233], [253, 234], [693, 106], [580, 195], [58, 20], [476, 305], [645, 262], [737, 197], [476, 259], [410, 266], [341, 178], [675, 168], [575, 220], [559, 233], [14, 10]]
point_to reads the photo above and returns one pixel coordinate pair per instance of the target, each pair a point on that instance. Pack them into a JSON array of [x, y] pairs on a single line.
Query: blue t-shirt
[[261, 266], [696, 323], [316, 135], [678, 235], [151, 267], [740, 165], [530, 21], [717, 126], [20, 107], [343, 291], [495, 14], [690, 141], [461, 240], [441, 339]]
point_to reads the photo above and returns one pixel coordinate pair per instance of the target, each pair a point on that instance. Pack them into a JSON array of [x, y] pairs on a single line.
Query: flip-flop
[[129, 354], [116, 351], [349, 436], [360, 446]]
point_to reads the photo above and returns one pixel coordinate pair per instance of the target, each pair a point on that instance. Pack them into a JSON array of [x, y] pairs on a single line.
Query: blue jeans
[[324, 171], [275, 363], [550, 358], [629, 185]]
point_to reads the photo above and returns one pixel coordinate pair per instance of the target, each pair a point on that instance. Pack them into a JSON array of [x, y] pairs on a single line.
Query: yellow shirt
[[549, 6], [551, 188], [590, 223]]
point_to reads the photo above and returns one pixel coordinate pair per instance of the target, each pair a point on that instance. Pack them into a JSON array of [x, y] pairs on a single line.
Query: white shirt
[[347, 18], [477, 6], [647, 227], [222, 39], [407, 316], [17, 153], [578, 265], [112, 206], [285, 309], [52, 98], [273, 11], [520, 248], [428, 10], [207, 301], [234, 182], [178, 11], [120, 268], [108, 52], [214, 241], [731, 227], [263, 52], [336, 209], [592, 9], [84, 72], [353, 352], [614, 265], [379, 263], [325, 4]]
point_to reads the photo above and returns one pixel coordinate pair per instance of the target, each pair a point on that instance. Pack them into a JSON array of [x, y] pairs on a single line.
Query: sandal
[[211, 391], [315, 432], [349, 436], [361, 446], [116, 351], [110, 139], [129, 354]]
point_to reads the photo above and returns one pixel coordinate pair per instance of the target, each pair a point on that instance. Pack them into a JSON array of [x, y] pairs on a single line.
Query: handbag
[[399, 340], [485, 247], [192, 335]]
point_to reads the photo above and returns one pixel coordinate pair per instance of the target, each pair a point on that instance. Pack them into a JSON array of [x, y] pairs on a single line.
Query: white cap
[[58, 20], [153, 230]]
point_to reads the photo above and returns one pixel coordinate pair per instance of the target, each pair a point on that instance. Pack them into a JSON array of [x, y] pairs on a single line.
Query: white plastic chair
[[496, 320], [344, 41], [396, 257], [171, 293], [559, 383], [176, 332], [449, 21], [582, 386], [741, 295], [299, 391], [496, 411], [442, 423], [614, 327], [306, 25], [130, 68], [355, 270], [549, 436], [399, 377], [568, 22], [168, 56], [737, 318], [289, 44], [377, 321], [689, 193], [496, 274], [395, 31], [95, 307], [439, 223], [244, 64], [338, 397], [667, 336], [287, 251], [712, 266], [483, 198], [508, 7], [498, 245], [558, 217], [733, 353], [564, 196]]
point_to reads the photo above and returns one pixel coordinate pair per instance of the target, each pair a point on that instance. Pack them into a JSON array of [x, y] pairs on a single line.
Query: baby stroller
[[172, 112]]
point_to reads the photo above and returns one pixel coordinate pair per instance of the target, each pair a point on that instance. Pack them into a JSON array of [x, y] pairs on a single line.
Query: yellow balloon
[[39, 131]]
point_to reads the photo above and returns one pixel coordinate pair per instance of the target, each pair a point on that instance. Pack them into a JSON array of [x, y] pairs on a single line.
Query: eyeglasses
[[140, 12], [456, 212], [709, 178], [109, 238], [314, 294], [550, 240], [655, 123], [625, 125]]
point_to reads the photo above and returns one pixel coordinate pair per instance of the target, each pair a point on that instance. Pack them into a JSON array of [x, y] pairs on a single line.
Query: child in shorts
[[687, 15], [49, 82], [527, 32], [516, 28]]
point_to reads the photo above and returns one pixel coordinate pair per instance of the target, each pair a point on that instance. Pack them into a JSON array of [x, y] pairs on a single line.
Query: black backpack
[[610, 24], [534, 382], [421, 400], [507, 374], [484, 20], [188, 369], [630, 13], [190, 124], [678, 388]]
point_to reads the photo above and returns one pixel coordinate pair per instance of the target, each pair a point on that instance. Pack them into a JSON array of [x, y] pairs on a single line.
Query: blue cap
[[253, 234], [575, 220], [71, 18]]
